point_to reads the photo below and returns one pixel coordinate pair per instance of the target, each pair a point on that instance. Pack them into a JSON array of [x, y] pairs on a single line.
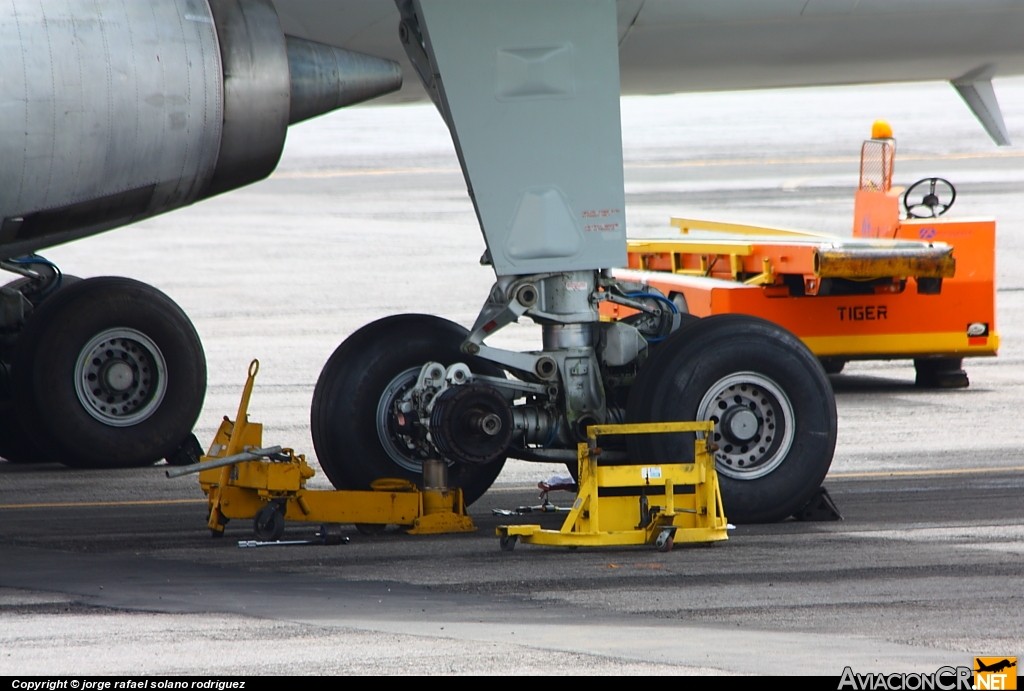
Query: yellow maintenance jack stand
[[244, 480], [627, 514]]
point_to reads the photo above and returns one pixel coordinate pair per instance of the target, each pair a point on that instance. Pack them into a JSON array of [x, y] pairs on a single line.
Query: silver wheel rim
[[754, 424], [120, 377], [401, 454]]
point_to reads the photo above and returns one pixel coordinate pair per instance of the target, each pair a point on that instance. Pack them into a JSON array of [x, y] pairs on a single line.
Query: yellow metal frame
[[596, 520], [243, 489], [685, 225]]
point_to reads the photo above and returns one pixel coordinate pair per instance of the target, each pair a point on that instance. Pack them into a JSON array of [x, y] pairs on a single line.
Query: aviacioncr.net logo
[[942, 679], [995, 673]]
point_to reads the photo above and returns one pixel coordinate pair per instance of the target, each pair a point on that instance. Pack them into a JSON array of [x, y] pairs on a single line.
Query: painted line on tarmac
[[923, 473], [702, 163], [79, 504], [695, 163], [291, 174]]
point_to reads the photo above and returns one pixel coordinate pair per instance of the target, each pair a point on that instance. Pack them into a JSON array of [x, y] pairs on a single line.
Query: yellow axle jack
[[244, 480], [636, 504]]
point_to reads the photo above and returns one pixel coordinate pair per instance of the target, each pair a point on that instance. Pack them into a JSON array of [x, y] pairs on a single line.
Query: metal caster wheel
[[370, 529], [508, 542], [268, 526], [665, 540]]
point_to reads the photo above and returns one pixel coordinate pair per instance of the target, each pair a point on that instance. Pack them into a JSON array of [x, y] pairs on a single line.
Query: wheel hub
[[117, 376], [740, 424], [471, 424], [120, 377], [754, 424], [396, 429]]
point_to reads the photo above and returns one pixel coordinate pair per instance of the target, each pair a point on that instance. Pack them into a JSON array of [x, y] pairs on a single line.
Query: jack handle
[[252, 455], [243, 410], [234, 446]]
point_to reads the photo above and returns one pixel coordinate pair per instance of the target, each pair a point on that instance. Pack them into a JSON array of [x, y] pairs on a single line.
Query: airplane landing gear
[[105, 373], [410, 388]]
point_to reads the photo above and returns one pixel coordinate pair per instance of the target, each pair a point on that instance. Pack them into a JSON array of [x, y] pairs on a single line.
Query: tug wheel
[[108, 373], [770, 400], [352, 420], [832, 365]]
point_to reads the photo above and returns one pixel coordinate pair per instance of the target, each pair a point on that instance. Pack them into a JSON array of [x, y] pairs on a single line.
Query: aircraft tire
[[774, 410], [348, 418], [15, 444], [133, 339]]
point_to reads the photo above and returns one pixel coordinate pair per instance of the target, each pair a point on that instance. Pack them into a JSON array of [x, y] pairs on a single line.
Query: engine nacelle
[[111, 112]]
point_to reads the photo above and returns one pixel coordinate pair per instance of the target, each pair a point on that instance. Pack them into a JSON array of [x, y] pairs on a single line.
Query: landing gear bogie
[[107, 373], [412, 388]]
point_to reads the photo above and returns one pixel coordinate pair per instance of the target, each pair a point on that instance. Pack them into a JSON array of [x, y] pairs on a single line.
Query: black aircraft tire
[[344, 414], [15, 444], [134, 329], [710, 362]]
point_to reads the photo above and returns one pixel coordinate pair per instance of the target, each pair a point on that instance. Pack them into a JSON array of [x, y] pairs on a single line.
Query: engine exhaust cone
[[324, 78]]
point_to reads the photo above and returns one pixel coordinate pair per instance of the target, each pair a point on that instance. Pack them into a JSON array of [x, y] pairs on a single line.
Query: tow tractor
[[920, 286]]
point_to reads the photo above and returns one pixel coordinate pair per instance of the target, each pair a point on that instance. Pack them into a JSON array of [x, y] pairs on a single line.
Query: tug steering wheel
[[929, 204]]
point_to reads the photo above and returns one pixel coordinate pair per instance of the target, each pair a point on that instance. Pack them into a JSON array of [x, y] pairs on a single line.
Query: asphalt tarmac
[[114, 571]]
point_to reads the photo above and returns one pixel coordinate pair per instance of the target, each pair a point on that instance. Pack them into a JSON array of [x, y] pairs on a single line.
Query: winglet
[[975, 88]]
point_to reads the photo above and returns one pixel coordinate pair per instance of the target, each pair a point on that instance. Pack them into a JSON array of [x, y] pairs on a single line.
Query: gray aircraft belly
[[677, 45], [700, 45]]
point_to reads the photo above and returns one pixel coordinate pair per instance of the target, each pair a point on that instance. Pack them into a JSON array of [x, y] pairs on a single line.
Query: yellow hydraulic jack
[[615, 504], [241, 484]]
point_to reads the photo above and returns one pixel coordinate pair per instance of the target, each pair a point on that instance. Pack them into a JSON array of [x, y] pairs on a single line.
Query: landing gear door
[[530, 91]]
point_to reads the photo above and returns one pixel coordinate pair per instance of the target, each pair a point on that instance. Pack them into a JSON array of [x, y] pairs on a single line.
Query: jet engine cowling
[[112, 112]]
